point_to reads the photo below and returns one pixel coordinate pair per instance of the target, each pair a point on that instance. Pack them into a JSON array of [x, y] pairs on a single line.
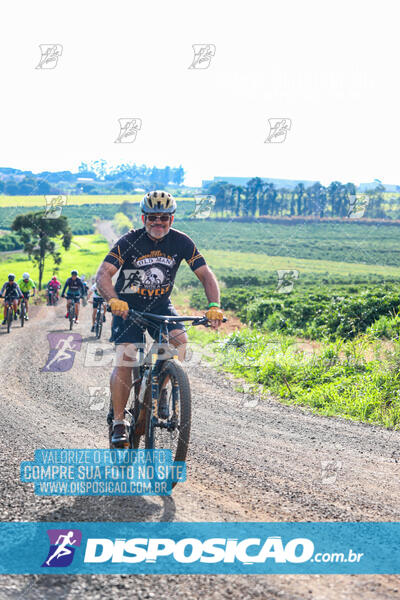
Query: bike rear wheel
[[71, 315]]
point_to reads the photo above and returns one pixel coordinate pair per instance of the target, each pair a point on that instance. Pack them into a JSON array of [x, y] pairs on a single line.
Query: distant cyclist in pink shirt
[[53, 285]]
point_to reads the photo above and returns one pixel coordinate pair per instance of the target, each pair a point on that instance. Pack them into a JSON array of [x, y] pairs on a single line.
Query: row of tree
[[96, 177], [260, 198], [100, 170], [28, 186]]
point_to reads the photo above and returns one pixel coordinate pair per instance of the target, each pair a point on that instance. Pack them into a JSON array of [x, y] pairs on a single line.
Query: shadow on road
[[114, 508]]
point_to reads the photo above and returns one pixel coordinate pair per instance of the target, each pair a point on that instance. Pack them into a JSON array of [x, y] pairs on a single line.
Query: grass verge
[[354, 380]]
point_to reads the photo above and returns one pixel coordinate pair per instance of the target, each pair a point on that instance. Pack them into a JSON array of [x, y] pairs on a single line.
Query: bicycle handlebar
[[132, 313]]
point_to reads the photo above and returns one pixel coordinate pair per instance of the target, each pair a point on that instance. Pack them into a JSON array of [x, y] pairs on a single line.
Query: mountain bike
[[9, 312], [71, 311], [22, 309], [147, 428], [100, 318], [52, 297]]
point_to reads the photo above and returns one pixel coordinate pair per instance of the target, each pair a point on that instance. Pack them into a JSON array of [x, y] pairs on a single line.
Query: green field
[[85, 255], [225, 259], [74, 200], [344, 242], [71, 200]]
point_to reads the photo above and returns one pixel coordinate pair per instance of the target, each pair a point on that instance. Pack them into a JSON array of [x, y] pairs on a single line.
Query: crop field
[[73, 200], [81, 217], [338, 242], [85, 255], [77, 200]]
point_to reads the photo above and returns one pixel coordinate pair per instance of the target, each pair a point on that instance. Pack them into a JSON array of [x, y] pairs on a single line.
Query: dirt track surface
[[246, 463]]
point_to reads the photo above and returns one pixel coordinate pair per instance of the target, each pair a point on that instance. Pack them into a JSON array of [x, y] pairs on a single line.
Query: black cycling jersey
[[11, 290], [73, 286], [148, 267]]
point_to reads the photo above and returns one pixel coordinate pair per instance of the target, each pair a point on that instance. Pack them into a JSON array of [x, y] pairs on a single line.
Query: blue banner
[[101, 472], [246, 548]]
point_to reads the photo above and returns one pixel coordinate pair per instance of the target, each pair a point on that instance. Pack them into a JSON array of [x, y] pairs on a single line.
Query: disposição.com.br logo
[[63, 543]]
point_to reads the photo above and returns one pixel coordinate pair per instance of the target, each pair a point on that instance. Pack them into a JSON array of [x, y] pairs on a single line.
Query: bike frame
[[150, 370]]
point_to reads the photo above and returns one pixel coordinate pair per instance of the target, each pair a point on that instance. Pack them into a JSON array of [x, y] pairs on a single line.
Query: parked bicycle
[[171, 429]]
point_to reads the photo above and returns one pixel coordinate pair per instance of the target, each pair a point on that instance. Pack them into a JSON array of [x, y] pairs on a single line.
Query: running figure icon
[[63, 348], [62, 549], [62, 354]]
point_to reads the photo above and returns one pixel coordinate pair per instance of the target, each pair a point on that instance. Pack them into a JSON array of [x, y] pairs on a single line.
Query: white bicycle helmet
[[158, 202], [25, 276]]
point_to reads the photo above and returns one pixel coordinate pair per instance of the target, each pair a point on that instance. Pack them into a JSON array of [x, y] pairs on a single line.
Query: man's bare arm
[[105, 286], [209, 282], [104, 280]]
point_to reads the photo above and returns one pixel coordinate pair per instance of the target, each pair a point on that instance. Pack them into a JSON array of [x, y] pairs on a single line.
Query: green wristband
[[213, 304]]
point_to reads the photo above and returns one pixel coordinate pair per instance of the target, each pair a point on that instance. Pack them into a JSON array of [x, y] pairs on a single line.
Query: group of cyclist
[[74, 289], [13, 292]]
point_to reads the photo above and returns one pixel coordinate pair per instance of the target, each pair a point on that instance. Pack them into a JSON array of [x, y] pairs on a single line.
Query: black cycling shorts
[[96, 302], [74, 296], [128, 332]]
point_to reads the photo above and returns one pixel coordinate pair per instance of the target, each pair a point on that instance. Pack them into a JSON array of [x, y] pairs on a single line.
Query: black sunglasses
[[163, 218]]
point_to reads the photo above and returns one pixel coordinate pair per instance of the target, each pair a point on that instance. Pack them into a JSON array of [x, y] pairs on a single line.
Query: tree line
[[260, 198], [95, 177]]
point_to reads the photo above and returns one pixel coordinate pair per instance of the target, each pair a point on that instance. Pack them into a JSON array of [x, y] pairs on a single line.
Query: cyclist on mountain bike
[[54, 285], [11, 293], [154, 254], [26, 284], [96, 301], [75, 292]]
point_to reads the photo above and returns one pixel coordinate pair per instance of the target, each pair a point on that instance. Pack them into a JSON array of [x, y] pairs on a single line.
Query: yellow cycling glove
[[214, 314], [118, 305]]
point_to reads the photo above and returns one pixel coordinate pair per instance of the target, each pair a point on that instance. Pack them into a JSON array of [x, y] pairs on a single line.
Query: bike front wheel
[[99, 324], [171, 430], [9, 318]]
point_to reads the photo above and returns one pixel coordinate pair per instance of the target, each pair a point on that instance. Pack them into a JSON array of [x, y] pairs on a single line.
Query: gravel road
[[247, 463]]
